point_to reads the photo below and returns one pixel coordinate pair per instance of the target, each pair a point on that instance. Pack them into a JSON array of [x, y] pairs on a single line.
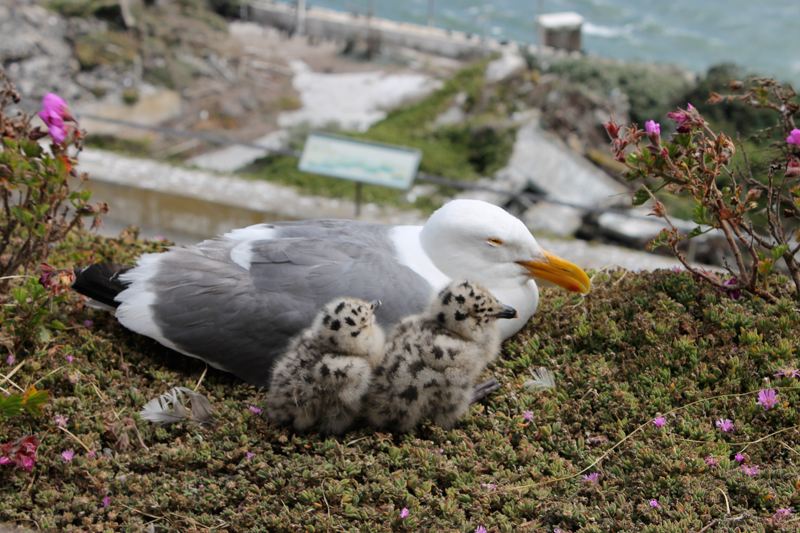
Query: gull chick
[[328, 368], [432, 359]]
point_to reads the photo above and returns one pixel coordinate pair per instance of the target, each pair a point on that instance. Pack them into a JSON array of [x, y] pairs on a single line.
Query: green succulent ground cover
[[639, 346]]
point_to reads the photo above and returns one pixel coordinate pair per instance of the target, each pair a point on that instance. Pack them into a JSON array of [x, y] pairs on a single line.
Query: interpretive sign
[[362, 161]]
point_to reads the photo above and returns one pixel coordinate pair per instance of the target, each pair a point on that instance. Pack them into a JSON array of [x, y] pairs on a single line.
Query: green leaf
[[778, 251], [632, 159], [20, 295], [42, 335], [31, 148], [701, 215], [11, 406], [11, 143], [34, 400], [55, 324], [640, 197], [697, 231]]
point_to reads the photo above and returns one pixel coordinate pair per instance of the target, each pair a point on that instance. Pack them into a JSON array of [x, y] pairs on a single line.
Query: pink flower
[[654, 504], [660, 421], [794, 137], [250, 455], [679, 116], [592, 478], [67, 455], [61, 421], [734, 294], [404, 513], [54, 114], [480, 529], [10, 360], [106, 501], [69, 359], [780, 514], [255, 410], [710, 461], [488, 486], [725, 425], [21, 453], [652, 127], [88, 323], [528, 416], [750, 470], [788, 373], [739, 457], [767, 398], [689, 107]]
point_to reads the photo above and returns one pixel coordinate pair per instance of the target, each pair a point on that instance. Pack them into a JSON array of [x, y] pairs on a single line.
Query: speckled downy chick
[[432, 359], [328, 368]]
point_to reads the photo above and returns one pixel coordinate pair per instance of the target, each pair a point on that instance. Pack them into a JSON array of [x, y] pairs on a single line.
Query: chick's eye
[[496, 242]]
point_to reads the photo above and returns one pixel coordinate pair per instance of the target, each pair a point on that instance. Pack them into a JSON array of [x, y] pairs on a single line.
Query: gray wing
[[241, 320]]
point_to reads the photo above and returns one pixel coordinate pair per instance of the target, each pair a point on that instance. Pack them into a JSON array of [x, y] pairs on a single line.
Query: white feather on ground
[[170, 408]]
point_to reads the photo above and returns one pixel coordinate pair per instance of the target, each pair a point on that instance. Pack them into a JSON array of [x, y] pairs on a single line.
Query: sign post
[[360, 161]]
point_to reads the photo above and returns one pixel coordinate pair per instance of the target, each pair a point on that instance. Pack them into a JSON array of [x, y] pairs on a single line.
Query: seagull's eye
[[495, 242]]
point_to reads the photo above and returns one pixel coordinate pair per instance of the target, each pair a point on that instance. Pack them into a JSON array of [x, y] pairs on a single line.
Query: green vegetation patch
[[639, 347]]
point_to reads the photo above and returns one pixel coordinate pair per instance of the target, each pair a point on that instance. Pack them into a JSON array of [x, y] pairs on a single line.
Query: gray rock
[[553, 219], [504, 66]]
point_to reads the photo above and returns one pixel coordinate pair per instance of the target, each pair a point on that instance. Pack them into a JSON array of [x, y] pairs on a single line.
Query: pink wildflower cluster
[[660, 421], [21, 454], [725, 425], [56, 114], [794, 137], [54, 280]]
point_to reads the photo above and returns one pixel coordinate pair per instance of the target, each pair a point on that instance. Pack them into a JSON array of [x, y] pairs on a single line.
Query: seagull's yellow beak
[[559, 271]]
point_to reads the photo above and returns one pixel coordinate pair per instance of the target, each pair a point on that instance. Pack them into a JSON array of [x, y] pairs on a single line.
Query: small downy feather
[[542, 379], [170, 408]]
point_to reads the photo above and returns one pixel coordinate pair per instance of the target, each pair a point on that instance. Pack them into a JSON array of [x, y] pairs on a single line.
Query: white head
[[470, 239]]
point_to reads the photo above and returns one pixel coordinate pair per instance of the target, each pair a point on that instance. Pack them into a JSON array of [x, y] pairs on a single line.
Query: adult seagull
[[236, 301]]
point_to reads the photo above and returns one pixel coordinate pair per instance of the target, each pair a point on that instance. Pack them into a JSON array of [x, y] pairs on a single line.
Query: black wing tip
[[101, 282]]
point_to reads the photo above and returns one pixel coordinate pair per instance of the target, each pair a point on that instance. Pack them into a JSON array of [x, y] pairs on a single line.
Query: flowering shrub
[[36, 188], [695, 163]]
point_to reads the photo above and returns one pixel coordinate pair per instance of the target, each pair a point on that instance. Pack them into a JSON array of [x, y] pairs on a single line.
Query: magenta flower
[[88, 323], [660, 421], [250, 455], [734, 294], [404, 513], [689, 106], [794, 137], [488, 486], [710, 461], [528, 416], [739, 457], [54, 114], [679, 116], [69, 359], [592, 478], [654, 504], [725, 425], [751, 470], [480, 529], [106, 501], [789, 373], [780, 514], [67, 455], [10, 360], [61, 421], [255, 410], [767, 398], [21, 453], [652, 127]]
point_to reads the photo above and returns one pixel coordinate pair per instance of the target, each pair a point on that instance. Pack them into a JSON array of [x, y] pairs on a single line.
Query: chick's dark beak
[[506, 312]]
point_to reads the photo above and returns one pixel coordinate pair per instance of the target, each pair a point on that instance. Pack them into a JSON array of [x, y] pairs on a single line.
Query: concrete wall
[[329, 24]]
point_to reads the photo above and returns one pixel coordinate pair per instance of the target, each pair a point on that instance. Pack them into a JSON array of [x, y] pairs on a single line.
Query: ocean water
[[761, 36]]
